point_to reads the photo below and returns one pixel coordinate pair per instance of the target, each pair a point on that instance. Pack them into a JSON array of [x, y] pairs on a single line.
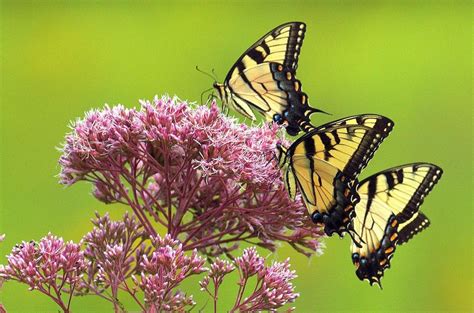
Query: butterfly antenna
[[205, 73], [214, 73]]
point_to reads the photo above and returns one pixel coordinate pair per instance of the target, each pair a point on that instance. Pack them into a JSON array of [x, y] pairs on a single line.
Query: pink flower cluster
[[52, 266], [123, 259], [163, 271], [273, 287], [210, 181], [120, 258], [113, 248]]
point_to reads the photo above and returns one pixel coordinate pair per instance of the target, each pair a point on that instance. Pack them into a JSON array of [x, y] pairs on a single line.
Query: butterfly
[[263, 79], [324, 163], [388, 215]]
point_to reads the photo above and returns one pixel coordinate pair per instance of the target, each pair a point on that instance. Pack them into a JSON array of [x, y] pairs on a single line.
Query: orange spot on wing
[[389, 250]]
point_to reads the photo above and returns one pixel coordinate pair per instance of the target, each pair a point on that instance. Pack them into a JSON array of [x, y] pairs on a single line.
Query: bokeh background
[[409, 61]]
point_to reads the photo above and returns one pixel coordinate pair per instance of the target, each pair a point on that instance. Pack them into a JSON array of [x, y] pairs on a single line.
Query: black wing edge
[[375, 135], [407, 232]]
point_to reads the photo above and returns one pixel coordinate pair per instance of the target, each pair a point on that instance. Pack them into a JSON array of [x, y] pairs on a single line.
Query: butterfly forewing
[[281, 45], [351, 142]]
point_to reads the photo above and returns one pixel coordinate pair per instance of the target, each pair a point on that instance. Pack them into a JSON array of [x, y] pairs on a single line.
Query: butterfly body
[[264, 79]]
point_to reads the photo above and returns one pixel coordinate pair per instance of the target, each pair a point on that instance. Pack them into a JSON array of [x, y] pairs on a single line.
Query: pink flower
[[250, 262], [273, 288], [52, 266], [112, 248], [210, 181], [163, 271], [276, 289]]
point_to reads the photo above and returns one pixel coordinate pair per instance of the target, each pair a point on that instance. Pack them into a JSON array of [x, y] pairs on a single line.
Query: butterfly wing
[[325, 162], [351, 142], [387, 214], [413, 226], [281, 45], [263, 78], [266, 88], [290, 183]]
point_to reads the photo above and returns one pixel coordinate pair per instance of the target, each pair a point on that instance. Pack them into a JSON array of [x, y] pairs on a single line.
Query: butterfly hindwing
[[387, 214], [413, 226]]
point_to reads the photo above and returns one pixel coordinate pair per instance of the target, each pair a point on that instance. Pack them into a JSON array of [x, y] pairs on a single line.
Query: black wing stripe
[[370, 197], [310, 151], [265, 47], [256, 55]]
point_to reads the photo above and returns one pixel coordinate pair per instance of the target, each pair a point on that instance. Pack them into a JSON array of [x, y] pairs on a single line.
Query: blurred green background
[[408, 61]]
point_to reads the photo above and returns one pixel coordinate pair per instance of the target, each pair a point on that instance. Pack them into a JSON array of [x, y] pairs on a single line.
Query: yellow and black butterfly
[[388, 215], [323, 164], [263, 78]]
